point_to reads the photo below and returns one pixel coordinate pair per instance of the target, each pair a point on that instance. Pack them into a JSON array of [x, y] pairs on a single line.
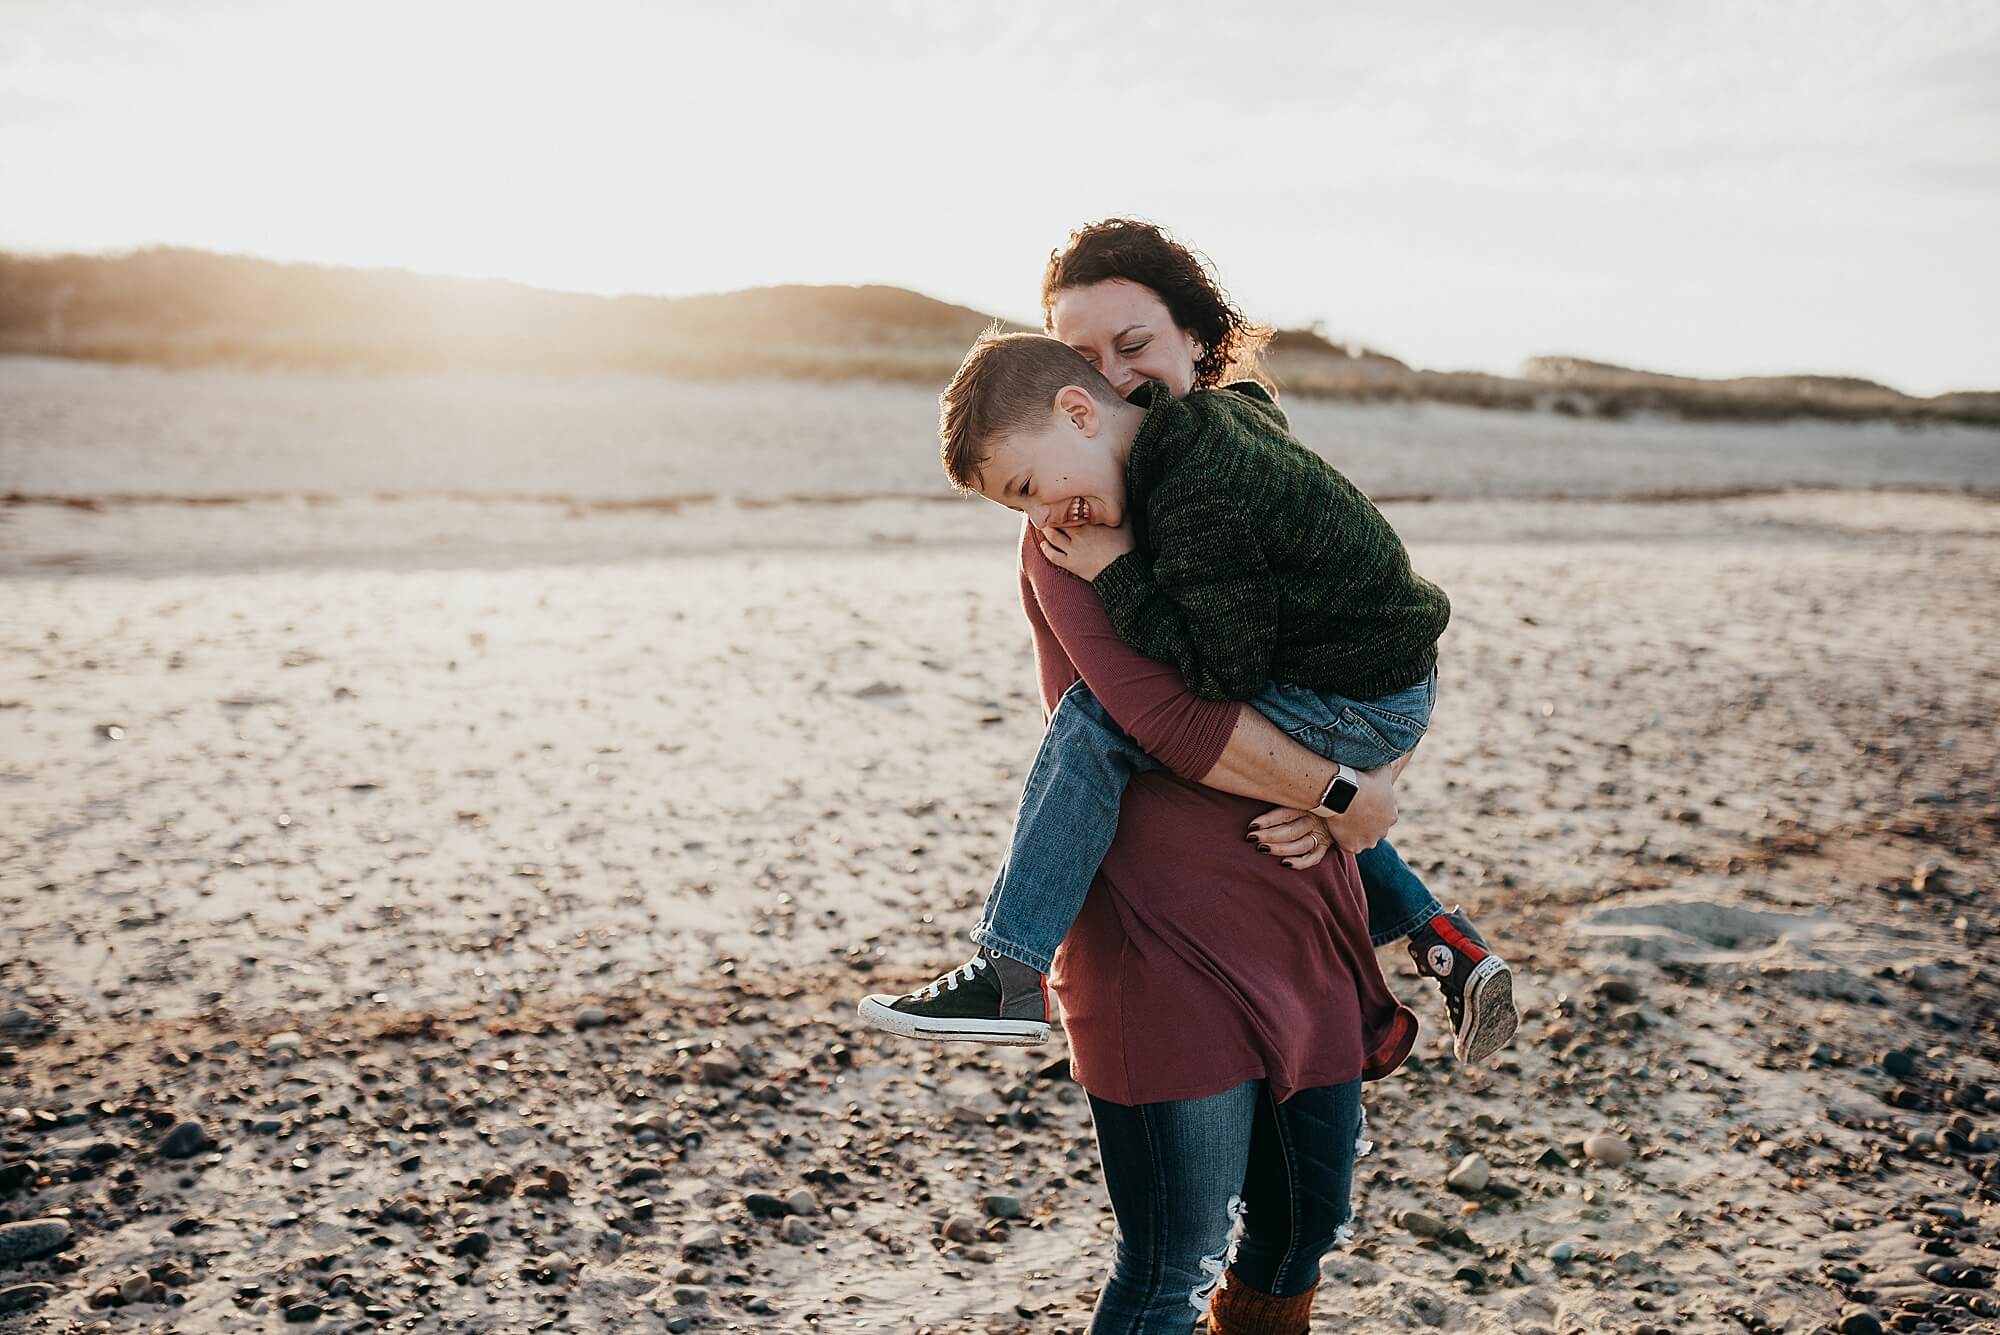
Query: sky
[[1703, 188]]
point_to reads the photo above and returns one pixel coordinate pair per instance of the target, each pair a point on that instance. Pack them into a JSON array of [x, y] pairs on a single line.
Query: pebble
[[1422, 1224], [802, 1201], [962, 1228], [1611, 1151], [766, 1206], [1471, 1175], [1957, 1275], [1900, 1063], [283, 1045], [1561, 1253], [719, 1067], [796, 1231], [1860, 1321], [1002, 1207], [1947, 1212], [476, 1243], [21, 1297], [1619, 991], [591, 1017], [31, 1238], [187, 1139]]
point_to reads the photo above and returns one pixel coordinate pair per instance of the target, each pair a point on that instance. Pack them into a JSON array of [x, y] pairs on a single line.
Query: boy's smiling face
[[1062, 472]]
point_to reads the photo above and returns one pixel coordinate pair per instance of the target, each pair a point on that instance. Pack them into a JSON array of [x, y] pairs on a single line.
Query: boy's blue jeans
[[1069, 810]]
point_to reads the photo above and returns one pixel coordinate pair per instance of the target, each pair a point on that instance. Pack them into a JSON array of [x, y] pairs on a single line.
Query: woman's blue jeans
[[1069, 811], [1234, 1181]]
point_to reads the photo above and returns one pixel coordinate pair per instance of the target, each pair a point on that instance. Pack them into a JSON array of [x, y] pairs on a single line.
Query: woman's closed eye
[[1135, 349]]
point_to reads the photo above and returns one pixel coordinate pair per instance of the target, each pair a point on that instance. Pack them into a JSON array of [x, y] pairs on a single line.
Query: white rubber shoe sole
[[1490, 1014], [876, 1010]]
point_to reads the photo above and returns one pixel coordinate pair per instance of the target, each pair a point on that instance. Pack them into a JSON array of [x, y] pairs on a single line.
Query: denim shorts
[[1363, 733]]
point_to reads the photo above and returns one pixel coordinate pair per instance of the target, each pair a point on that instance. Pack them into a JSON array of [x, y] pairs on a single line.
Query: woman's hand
[[1085, 550], [1299, 838]]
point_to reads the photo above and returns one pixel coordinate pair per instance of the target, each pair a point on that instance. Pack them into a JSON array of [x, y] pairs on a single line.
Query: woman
[[1142, 307], [1222, 1005]]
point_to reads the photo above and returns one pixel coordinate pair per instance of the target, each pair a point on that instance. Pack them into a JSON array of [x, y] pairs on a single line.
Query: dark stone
[[476, 1243], [21, 1297], [765, 1206], [186, 1140]]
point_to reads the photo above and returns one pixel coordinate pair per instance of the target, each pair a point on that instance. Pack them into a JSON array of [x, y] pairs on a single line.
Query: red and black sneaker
[[1478, 986], [988, 999]]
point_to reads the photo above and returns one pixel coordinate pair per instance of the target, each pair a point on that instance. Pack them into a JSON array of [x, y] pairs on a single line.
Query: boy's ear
[[1080, 406]]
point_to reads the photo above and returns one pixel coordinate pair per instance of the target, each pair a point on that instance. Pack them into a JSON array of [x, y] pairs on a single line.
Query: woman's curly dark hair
[[1179, 276]]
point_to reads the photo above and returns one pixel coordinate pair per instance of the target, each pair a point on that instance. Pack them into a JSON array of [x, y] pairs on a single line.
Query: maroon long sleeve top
[[1197, 962]]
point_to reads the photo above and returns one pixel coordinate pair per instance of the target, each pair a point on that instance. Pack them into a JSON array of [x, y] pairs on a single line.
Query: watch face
[[1339, 793]]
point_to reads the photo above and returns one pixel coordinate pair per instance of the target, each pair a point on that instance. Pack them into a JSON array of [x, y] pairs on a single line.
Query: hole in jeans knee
[[1214, 1264]]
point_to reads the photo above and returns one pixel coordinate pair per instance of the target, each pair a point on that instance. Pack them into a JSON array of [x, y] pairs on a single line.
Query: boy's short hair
[[1005, 383]]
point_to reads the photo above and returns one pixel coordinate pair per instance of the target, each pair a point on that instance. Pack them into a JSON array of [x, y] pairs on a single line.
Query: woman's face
[[1124, 330]]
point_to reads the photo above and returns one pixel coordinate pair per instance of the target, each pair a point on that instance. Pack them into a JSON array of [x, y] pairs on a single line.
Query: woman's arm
[[1219, 744]]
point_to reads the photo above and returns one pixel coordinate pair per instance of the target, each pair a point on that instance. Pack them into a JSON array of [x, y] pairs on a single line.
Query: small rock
[[1561, 1253], [982, 1255], [1618, 991], [306, 1310], [1421, 1224], [1611, 1151], [1002, 1207], [1900, 1063], [766, 1206], [962, 1228], [1951, 1214], [476, 1243], [29, 1239], [286, 1044], [554, 1267], [802, 1202], [796, 1231], [1471, 1175], [719, 1067], [21, 1297], [1957, 1275], [187, 1139], [553, 1182], [592, 1017], [1860, 1321], [135, 1287]]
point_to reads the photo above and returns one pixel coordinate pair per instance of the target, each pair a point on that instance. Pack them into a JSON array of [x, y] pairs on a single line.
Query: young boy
[[1222, 547]]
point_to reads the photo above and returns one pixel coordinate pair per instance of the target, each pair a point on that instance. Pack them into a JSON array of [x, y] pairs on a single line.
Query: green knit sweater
[[1258, 562]]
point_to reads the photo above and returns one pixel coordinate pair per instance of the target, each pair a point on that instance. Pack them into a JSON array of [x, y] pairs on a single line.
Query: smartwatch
[[1339, 792]]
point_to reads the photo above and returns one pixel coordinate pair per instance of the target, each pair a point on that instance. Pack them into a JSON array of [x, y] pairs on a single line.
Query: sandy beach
[[442, 839]]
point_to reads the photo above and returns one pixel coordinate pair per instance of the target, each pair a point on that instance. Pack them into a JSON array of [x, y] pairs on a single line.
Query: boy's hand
[[1299, 838], [1084, 551]]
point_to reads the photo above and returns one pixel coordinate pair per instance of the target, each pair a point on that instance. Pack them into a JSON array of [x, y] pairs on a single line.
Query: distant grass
[[184, 308]]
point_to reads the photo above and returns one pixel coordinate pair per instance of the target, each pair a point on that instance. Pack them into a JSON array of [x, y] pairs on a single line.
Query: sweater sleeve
[[1147, 698], [1207, 603]]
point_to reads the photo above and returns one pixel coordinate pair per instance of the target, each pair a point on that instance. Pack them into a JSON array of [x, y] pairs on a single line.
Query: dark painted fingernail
[[1263, 848]]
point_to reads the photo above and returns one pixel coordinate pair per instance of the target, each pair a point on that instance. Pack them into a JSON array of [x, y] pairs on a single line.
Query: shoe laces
[[949, 982]]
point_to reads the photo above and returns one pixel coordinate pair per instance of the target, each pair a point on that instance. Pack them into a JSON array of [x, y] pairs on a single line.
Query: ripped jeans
[[1234, 1181]]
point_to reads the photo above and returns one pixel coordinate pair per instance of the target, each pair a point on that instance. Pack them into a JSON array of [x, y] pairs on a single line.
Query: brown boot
[[1238, 1309]]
